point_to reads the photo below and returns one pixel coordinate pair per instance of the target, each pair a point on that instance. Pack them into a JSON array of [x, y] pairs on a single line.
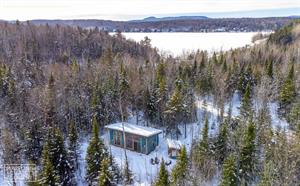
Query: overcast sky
[[136, 9]]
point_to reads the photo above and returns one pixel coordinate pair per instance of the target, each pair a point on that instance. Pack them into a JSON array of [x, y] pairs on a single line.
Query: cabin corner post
[[147, 145]]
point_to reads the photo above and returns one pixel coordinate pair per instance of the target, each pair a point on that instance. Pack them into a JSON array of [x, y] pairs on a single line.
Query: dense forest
[[179, 24], [61, 83]]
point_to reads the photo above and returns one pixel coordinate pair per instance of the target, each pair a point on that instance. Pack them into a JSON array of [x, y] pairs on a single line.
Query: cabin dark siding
[[134, 142]]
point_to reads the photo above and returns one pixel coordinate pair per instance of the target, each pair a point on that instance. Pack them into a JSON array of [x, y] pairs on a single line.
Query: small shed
[[174, 147], [138, 138]]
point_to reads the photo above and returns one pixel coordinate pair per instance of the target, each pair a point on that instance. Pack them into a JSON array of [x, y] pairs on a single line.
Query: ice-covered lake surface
[[176, 42]]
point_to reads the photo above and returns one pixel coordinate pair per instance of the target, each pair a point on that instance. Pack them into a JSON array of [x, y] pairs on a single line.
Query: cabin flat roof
[[134, 129]]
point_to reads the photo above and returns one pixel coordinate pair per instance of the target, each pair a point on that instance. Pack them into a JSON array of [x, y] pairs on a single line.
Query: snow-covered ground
[[140, 164]]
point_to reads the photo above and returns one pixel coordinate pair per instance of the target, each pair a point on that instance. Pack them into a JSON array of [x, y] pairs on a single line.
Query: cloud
[[128, 9]]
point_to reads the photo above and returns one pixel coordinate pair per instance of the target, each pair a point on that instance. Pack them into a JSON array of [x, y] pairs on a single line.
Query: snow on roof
[[134, 129], [174, 144]]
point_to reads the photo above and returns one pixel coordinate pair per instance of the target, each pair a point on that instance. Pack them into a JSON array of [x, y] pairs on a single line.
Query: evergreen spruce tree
[[294, 116], [287, 92], [204, 141], [96, 151], [203, 155], [124, 92], [33, 142], [32, 180], [55, 160], [267, 177], [221, 149], [151, 105], [246, 106], [124, 85], [163, 175], [180, 169], [175, 108], [224, 67], [248, 157], [202, 63], [51, 120], [73, 148], [127, 174], [49, 175], [115, 170], [106, 174], [270, 69], [61, 159], [214, 58], [229, 173]]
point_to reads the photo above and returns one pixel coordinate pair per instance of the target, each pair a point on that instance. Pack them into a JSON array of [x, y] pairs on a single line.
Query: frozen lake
[[177, 42]]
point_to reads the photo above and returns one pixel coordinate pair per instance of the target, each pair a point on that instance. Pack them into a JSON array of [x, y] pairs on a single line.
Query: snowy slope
[[140, 164]]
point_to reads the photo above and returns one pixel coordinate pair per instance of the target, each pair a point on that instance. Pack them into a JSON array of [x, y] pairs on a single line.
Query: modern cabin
[[138, 138], [174, 147]]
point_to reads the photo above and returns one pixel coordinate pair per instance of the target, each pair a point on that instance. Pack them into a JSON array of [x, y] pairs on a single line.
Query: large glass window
[[117, 138], [129, 142]]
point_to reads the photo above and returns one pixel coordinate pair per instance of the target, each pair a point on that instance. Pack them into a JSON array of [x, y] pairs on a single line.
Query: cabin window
[[129, 142], [117, 138]]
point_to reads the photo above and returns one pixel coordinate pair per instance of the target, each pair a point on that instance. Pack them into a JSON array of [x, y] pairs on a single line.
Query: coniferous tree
[[288, 91], [180, 169], [224, 67], [115, 170], [267, 177], [203, 155], [221, 149], [204, 141], [73, 148], [49, 175], [163, 175], [33, 142], [229, 173], [150, 106], [270, 68], [246, 105], [294, 116], [124, 84], [96, 151], [61, 160], [175, 108], [124, 91], [127, 174], [51, 120], [248, 155], [106, 174], [33, 179], [58, 157]]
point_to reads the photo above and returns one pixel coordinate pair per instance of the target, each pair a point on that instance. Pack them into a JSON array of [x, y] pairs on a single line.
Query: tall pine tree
[[287, 92], [55, 160], [163, 175], [96, 151], [106, 174], [229, 173], [180, 169], [248, 155], [221, 149], [73, 148], [246, 106]]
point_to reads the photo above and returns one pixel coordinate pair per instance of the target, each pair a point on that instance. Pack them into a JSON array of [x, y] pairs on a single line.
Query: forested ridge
[[60, 83], [179, 24]]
